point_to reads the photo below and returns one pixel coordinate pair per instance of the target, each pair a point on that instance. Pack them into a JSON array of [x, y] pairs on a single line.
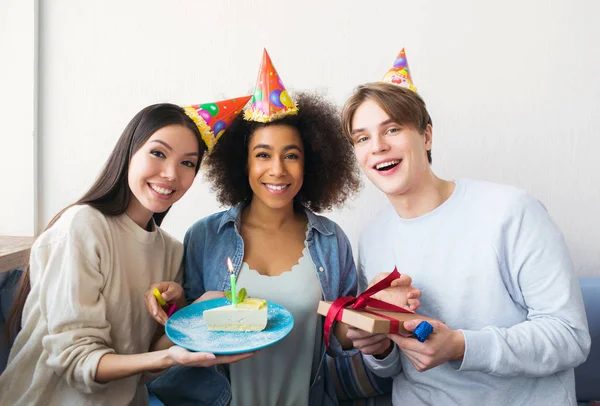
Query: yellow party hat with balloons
[[399, 73], [270, 100], [213, 119]]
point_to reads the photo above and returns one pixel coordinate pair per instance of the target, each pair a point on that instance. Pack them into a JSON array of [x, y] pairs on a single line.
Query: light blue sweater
[[491, 263]]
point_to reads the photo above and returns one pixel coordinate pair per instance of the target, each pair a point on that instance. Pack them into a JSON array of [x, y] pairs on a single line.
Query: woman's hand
[[400, 293], [181, 356], [171, 292], [378, 345], [112, 367]]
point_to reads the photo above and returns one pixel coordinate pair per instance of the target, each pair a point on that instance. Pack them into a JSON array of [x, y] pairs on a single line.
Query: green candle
[[232, 279]]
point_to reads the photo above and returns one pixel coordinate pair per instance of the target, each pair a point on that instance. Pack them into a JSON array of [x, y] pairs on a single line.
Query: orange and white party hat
[[399, 73], [213, 119], [270, 100]]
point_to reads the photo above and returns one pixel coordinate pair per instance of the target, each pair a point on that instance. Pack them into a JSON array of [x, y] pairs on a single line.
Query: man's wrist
[[459, 340]]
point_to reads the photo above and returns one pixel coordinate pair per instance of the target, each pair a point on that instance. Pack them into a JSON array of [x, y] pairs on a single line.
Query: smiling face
[[393, 156], [275, 165], [161, 171]]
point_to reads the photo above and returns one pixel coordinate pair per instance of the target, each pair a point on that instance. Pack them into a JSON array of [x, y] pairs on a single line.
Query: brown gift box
[[370, 322]]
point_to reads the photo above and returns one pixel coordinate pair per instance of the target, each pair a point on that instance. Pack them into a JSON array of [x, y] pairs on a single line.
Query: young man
[[488, 259]]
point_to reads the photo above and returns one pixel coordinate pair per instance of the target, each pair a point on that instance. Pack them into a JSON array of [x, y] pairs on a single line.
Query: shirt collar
[[234, 215]]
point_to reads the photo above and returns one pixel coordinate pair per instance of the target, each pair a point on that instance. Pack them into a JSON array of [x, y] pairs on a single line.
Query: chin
[[157, 208], [279, 205], [275, 204], [391, 189]]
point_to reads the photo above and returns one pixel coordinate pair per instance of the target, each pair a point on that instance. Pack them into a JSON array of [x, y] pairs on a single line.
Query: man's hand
[[443, 345], [400, 293]]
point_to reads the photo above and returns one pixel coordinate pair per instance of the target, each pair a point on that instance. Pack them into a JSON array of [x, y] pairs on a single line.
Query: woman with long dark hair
[[85, 332]]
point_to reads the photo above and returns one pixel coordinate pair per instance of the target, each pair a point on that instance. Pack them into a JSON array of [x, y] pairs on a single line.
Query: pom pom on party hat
[[213, 119], [270, 100], [399, 73]]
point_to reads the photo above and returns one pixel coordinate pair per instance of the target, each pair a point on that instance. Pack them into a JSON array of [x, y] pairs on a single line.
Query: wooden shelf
[[14, 252]]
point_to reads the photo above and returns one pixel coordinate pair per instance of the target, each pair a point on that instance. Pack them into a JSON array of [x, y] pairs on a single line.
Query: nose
[[278, 167], [379, 145], [170, 172]]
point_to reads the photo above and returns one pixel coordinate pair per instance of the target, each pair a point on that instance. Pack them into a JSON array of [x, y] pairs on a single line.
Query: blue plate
[[188, 329]]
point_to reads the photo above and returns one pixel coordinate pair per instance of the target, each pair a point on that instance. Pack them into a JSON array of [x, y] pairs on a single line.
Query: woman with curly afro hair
[[274, 176], [330, 172]]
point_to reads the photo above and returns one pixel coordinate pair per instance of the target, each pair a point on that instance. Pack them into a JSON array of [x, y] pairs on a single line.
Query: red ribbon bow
[[363, 300]]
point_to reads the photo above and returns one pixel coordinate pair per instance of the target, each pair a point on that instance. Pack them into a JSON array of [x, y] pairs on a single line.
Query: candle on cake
[[232, 279]]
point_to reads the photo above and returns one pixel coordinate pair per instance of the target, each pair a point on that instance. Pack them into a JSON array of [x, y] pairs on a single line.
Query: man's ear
[[428, 133]]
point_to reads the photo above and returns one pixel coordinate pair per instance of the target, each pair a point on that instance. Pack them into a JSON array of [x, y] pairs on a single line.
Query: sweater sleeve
[[71, 301], [387, 367], [555, 335]]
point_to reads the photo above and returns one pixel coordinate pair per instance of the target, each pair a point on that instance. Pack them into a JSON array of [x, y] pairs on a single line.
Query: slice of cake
[[249, 315]]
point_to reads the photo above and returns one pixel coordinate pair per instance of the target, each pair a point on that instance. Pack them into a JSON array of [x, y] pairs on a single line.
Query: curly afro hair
[[331, 174]]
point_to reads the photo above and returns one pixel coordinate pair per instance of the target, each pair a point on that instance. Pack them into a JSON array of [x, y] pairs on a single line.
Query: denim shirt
[[207, 244]]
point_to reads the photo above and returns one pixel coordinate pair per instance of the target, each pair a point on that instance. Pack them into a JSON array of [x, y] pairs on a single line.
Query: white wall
[[512, 86], [17, 33]]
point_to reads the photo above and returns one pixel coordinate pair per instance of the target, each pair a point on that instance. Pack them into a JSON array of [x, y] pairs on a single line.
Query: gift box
[[370, 319], [372, 315]]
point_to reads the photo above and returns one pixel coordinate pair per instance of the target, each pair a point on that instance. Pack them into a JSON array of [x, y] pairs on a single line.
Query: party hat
[[270, 100], [399, 73], [212, 119]]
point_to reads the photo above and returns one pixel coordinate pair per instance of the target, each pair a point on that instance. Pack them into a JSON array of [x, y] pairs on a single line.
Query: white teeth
[[161, 190], [276, 187], [386, 164]]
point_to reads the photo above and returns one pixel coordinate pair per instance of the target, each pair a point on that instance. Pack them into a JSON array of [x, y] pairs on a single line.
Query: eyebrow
[[360, 130], [286, 148], [167, 146]]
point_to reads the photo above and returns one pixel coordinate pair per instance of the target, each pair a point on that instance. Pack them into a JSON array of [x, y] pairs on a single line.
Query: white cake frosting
[[249, 315]]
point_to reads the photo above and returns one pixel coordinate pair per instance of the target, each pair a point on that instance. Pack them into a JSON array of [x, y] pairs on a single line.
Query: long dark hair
[[110, 194]]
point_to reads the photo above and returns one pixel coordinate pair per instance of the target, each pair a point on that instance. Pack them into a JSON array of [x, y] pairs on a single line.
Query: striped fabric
[[355, 382]]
